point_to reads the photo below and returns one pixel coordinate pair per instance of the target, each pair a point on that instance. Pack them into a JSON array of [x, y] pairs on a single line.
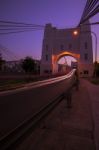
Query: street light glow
[[75, 32]]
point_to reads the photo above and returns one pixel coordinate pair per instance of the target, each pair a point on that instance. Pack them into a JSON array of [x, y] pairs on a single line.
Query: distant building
[[16, 66], [12, 66]]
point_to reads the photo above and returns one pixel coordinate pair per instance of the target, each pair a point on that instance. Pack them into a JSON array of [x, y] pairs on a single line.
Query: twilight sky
[[60, 13]]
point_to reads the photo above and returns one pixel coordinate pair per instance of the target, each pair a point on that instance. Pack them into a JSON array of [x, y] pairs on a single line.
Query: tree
[[1, 62], [28, 65]]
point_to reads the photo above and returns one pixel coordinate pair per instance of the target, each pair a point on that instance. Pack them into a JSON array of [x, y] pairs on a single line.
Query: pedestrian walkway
[[75, 128], [93, 91]]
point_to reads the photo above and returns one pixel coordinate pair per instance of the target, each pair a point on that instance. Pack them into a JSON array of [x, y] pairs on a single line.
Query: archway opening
[[72, 56], [66, 64]]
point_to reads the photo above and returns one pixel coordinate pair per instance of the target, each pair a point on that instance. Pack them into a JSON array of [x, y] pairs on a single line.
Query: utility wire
[[91, 9], [92, 5], [11, 25], [93, 13], [16, 27], [7, 53], [93, 23], [3, 33], [86, 7], [19, 28], [20, 23]]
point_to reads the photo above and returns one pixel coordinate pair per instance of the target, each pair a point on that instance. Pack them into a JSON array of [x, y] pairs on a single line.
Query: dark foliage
[[28, 65], [1, 62]]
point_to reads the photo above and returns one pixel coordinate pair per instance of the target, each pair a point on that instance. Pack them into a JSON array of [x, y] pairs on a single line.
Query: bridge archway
[[60, 42], [56, 58]]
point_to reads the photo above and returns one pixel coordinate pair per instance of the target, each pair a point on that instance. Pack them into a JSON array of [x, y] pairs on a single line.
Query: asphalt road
[[18, 106]]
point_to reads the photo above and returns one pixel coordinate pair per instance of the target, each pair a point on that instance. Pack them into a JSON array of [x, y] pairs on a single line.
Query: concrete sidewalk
[[93, 91], [75, 128]]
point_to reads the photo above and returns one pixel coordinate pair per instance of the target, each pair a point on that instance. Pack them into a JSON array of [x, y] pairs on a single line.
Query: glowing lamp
[[75, 32]]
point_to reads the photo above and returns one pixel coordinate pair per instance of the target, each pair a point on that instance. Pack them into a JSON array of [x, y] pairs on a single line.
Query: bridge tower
[[76, 42]]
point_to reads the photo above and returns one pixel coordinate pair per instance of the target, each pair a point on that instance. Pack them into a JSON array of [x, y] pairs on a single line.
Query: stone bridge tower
[[76, 42]]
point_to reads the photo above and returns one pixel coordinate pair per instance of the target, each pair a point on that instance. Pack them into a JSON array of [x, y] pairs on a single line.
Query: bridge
[[46, 108], [52, 114], [76, 42]]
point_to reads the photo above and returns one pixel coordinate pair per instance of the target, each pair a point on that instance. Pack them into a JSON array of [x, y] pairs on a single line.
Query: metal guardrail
[[10, 139]]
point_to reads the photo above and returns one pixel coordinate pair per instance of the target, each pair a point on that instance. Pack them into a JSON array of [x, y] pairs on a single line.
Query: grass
[[19, 81], [15, 83], [10, 84]]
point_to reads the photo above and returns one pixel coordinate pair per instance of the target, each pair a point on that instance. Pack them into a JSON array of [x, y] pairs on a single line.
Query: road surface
[[17, 106]]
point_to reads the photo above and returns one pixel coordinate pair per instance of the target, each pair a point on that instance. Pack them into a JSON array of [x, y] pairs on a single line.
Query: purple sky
[[61, 13]]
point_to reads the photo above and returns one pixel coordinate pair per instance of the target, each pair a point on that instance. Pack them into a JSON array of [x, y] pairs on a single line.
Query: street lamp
[[76, 33]]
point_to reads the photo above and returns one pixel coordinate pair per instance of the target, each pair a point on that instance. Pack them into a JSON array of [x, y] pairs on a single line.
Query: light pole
[[95, 45], [76, 33]]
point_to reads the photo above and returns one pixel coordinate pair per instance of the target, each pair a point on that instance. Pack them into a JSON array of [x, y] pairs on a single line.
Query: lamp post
[[95, 45], [76, 33]]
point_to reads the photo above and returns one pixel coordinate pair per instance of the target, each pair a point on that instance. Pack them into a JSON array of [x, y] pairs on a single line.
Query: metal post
[[95, 45]]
